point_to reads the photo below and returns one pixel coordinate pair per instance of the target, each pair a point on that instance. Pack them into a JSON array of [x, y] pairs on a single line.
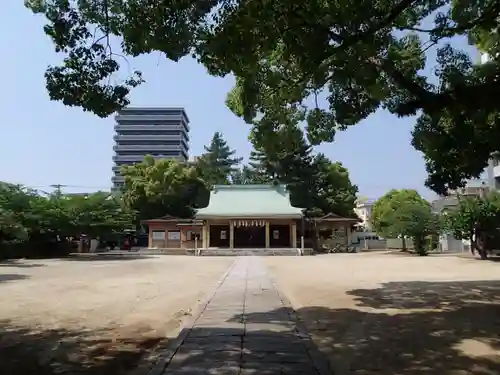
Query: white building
[[364, 211]]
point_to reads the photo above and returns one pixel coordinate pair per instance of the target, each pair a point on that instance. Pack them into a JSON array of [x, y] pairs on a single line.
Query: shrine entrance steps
[[287, 251]]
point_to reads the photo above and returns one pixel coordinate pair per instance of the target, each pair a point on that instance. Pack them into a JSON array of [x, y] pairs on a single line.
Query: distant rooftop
[[249, 201], [173, 109], [365, 202], [180, 109]]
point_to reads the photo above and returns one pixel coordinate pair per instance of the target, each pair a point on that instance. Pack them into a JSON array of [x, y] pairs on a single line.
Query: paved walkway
[[245, 329]]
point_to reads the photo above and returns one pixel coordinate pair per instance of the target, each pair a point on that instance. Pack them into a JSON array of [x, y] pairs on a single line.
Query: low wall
[[397, 243], [372, 244]]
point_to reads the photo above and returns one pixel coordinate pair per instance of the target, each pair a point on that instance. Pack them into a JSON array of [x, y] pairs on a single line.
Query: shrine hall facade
[[237, 216]]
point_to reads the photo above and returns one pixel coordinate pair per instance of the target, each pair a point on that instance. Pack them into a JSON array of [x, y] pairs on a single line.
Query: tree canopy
[[246, 175], [404, 213], [36, 222], [475, 219], [333, 189], [155, 188], [361, 55], [315, 183]]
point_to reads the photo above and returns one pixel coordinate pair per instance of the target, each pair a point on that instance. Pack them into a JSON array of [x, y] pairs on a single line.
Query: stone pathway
[[246, 328]]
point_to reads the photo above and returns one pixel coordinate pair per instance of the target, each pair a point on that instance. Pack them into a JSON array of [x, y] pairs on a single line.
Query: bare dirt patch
[[388, 315], [96, 317]]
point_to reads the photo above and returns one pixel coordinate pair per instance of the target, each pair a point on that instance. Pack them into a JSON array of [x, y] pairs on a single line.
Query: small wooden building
[[332, 229]]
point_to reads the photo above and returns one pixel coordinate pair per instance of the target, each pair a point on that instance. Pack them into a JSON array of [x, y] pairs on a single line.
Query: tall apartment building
[[159, 132]]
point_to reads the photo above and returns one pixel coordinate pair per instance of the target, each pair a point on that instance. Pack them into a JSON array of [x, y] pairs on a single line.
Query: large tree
[[404, 213], [98, 214], [315, 183], [246, 175], [15, 202], [285, 156], [155, 188], [34, 224], [362, 55], [261, 167], [218, 162], [476, 219], [333, 189]]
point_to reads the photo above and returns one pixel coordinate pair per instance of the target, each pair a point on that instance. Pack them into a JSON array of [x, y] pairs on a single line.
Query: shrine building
[[238, 217]]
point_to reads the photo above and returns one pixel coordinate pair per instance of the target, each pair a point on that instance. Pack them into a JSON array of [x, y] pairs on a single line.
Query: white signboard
[[174, 235]]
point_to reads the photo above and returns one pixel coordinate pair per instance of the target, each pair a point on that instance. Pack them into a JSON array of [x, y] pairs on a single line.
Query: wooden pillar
[[267, 235], [183, 238], [208, 233], [231, 234], [303, 232], [294, 235], [204, 236], [150, 238], [348, 233]]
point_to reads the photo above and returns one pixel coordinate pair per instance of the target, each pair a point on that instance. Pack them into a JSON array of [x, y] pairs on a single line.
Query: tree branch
[[385, 22], [489, 14]]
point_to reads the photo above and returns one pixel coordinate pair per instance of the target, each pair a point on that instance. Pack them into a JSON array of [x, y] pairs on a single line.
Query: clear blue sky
[[45, 143]]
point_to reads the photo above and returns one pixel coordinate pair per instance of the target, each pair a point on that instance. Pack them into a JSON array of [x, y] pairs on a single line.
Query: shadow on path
[[410, 328]]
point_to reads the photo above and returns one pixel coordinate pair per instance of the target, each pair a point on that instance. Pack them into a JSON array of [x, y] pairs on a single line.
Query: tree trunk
[[419, 244], [481, 245], [483, 254], [403, 244], [481, 250]]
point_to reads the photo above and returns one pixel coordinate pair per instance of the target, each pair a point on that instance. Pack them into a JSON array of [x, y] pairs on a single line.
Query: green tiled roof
[[253, 201]]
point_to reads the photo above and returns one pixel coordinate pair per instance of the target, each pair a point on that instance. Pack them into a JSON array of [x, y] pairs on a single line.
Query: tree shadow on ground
[[407, 328], [402, 328], [25, 350], [6, 277], [104, 257], [425, 328], [236, 347], [19, 264]]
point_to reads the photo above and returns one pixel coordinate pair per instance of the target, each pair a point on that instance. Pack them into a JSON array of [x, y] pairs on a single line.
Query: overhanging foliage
[[363, 55]]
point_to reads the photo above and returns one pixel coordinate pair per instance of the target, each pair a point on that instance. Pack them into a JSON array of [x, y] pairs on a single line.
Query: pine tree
[[261, 169], [246, 175], [315, 183], [218, 163], [294, 166]]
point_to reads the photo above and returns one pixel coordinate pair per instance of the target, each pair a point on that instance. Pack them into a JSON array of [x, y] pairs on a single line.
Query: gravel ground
[[96, 315], [390, 314]]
